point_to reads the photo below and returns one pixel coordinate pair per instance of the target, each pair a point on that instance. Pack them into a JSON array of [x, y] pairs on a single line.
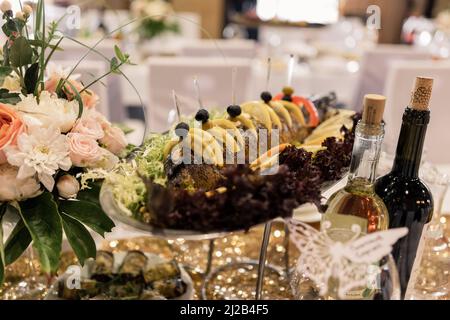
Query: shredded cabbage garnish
[[125, 179], [150, 162], [127, 187]]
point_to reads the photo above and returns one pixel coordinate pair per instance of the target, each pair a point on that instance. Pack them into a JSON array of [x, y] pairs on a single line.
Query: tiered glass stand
[[110, 206]]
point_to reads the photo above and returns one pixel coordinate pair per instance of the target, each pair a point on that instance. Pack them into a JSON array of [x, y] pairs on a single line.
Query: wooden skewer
[[269, 70], [199, 98], [176, 103], [233, 85], [290, 70]]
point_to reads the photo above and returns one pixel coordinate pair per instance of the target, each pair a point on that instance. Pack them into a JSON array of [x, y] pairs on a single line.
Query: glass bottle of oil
[[357, 203]]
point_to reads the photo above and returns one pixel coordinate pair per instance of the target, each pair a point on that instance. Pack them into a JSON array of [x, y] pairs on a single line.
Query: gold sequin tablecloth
[[240, 282]]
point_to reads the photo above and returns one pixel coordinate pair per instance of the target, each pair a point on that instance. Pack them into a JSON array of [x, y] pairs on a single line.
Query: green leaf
[[31, 77], [119, 54], [79, 238], [17, 242], [114, 65], [4, 72], [21, 53], [42, 219], [9, 27], [89, 213], [78, 98], [91, 194], [40, 44], [9, 97]]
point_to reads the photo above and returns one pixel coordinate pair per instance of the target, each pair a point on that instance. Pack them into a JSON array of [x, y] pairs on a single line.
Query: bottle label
[[344, 223]]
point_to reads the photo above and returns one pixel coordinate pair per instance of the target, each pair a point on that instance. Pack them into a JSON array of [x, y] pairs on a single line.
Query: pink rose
[[114, 140], [51, 84], [90, 99], [89, 125], [84, 151], [11, 126], [100, 118]]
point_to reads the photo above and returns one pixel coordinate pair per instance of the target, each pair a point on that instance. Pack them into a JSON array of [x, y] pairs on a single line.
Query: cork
[[421, 94], [373, 109]]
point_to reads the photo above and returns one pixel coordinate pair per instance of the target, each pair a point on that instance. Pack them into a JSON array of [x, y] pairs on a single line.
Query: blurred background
[[351, 47]]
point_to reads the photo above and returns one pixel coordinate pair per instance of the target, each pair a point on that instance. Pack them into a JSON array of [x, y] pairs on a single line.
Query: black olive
[[234, 111], [266, 96], [202, 115], [182, 129]]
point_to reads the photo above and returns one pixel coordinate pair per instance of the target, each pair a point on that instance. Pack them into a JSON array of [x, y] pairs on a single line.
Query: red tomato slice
[[309, 106]]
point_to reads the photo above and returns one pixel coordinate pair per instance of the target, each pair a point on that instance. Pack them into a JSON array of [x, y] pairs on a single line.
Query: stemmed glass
[[430, 277]]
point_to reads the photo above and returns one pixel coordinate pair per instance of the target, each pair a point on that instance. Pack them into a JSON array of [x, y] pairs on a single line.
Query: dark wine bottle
[[407, 198]]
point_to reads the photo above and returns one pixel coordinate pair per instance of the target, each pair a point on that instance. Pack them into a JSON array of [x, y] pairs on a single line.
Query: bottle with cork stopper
[[407, 198], [357, 202]]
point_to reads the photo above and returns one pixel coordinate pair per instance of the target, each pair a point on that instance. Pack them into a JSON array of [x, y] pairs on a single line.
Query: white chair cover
[[89, 71], [375, 65], [235, 48], [400, 80], [74, 52], [177, 73]]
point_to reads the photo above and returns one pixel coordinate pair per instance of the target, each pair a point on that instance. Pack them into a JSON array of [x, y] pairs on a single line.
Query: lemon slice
[[295, 111], [205, 144], [231, 128], [169, 146], [259, 111], [224, 139], [343, 117], [274, 117], [275, 151], [331, 131], [282, 112]]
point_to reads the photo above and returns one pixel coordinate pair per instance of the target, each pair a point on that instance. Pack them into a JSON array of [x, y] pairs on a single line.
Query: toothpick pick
[[269, 69], [233, 85], [177, 107], [199, 98], [290, 71]]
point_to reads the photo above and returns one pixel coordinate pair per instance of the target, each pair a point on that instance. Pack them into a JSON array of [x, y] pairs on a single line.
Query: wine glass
[[382, 283], [430, 276], [344, 264]]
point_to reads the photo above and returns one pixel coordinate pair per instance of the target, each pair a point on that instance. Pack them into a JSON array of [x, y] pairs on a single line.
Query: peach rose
[[90, 99], [114, 140], [89, 125], [84, 151], [11, 126]]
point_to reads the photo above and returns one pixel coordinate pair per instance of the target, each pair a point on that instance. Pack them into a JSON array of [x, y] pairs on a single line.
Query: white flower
[[41, 151], [27, 9], [50, 111], [20, 15], [57, 71], [14, 189], [5, 6], [68, 186]]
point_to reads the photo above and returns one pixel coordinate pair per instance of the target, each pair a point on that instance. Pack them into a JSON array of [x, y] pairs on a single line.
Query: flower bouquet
[[50, 133], [154, 20]]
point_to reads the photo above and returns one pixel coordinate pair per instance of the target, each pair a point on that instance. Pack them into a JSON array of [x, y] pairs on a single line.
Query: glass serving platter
[[110, 206]]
